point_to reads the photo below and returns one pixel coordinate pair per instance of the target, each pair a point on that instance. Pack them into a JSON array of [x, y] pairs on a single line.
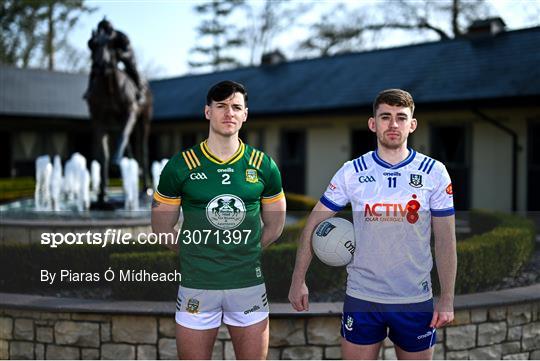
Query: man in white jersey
[[397, 196]]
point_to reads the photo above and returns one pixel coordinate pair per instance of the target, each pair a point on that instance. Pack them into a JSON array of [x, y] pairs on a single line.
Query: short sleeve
[[335, 197], [441, 202], [169, 189], [273, 189]]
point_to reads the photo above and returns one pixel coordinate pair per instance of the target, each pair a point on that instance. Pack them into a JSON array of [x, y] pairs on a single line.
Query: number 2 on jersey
[[226, 178]]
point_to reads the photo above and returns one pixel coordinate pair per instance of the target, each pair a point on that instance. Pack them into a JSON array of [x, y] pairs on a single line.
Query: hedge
[[482, 221], [21, 264], [13, 188], [277, 264], [299, 202], [298, 206], [24, 187], [485, 259], [155, 262]]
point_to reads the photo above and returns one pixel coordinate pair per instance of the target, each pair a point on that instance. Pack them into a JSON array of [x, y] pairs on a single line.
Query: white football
[[333, 241]]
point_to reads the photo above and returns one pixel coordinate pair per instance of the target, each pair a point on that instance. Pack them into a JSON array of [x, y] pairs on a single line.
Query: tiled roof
[[505, 66]]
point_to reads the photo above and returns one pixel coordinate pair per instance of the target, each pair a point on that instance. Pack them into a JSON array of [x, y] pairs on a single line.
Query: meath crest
[[193, 306], [226, 211], [251, 176]]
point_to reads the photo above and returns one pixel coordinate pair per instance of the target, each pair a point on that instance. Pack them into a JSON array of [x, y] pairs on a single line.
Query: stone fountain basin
[[19, 222]]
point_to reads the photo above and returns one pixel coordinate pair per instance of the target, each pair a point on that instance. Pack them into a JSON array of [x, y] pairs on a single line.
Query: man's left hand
[[443, 314]]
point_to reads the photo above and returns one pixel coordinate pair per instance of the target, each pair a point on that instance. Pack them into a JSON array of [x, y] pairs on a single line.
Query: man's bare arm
[[164, 218], [298, 293], [446, 262], [273, 217]]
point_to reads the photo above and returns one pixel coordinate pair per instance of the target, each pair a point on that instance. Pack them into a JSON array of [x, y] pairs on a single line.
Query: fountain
[[96, 176], [130, 179], [56, 183], [157, 167], [62, 202], [42, 194], [65, 197]]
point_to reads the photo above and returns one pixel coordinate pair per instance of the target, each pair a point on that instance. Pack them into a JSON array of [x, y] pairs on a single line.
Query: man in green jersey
[[225, 188]]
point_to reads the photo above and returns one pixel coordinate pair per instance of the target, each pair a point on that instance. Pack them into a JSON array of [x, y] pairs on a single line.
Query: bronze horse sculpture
[[113, 106]]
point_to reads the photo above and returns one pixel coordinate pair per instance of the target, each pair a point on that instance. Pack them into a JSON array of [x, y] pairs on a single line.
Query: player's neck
[[223, 147], [393, 156]]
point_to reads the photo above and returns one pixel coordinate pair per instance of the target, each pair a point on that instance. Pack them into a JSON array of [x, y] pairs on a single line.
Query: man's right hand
[[299, 296]]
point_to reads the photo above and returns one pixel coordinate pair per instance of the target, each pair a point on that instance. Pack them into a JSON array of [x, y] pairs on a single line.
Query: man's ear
[[371, 125], [245, 114], [207, 112], [414, 124]]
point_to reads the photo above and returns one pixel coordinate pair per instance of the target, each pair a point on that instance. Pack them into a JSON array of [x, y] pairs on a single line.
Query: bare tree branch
[[267, 22], [217, 28], [446, 19], [30, 29]]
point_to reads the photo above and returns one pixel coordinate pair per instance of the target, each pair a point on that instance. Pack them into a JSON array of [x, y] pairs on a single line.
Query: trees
[[222, 43], [18, 21], [337, 31], [218, 35], [35, 31], [345, 30], [266, 21], [445, 18]]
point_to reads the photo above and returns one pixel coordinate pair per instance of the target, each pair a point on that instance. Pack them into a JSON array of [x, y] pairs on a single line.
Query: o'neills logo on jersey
[[226, 211], [392, 212]]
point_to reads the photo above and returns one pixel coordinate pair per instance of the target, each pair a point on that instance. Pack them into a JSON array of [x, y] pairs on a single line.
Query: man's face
[[226, 116], [392, 124]]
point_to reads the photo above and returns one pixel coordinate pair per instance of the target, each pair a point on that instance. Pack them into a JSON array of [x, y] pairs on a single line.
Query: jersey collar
[[404, 162], [213, 158]]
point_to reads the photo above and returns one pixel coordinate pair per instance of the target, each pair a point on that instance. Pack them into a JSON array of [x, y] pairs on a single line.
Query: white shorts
[[204, 309]]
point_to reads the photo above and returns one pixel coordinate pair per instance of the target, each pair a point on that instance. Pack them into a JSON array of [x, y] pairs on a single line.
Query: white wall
[[328, 147], [491, 168]]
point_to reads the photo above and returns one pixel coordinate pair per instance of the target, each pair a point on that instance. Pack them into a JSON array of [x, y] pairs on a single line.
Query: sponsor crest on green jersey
[[251, 176], [226, 211]]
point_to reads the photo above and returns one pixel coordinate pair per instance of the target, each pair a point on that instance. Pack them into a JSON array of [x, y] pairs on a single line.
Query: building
[[477, 101]]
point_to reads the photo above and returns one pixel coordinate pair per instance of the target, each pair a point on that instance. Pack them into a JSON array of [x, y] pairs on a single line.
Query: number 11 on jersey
[[392, 181]]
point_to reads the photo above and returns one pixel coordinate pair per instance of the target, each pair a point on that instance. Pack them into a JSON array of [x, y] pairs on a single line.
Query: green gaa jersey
[[219, 240]]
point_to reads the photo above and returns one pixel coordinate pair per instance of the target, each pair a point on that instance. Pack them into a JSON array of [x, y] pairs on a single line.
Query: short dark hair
[[395, 97], [224, 89]]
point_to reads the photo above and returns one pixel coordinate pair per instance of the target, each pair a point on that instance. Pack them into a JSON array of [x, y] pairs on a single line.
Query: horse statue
[[114, 107]]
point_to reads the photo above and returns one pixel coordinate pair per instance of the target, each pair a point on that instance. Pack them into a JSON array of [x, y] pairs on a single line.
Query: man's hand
[[299, 296], [443, 314], [298, 293]]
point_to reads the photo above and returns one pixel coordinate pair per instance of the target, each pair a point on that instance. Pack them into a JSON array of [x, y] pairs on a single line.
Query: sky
[[163, 32]]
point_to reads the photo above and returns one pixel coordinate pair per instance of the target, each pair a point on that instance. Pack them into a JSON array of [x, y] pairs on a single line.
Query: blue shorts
[[366, 323]]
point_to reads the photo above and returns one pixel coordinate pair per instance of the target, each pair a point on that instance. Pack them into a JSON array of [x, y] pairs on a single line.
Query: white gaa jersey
[[392, 209]]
